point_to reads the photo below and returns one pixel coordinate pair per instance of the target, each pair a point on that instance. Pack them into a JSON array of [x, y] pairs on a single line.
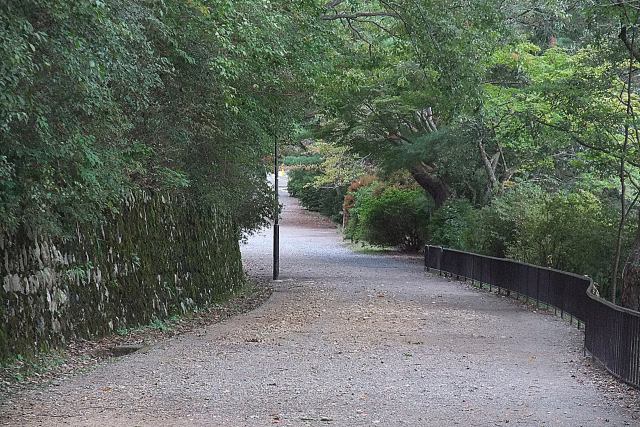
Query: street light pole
[[276, 219]]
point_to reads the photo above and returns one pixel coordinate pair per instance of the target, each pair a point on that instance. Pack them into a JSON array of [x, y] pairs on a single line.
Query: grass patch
[[162, 325], [367, 249]]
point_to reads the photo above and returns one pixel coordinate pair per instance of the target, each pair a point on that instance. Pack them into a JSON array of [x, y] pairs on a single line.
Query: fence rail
[[612, 333]]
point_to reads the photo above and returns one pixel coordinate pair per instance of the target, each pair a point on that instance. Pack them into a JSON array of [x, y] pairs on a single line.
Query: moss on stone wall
[[159, 256]]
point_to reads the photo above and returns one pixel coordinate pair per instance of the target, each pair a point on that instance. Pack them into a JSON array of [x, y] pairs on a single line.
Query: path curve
[[347, 339]]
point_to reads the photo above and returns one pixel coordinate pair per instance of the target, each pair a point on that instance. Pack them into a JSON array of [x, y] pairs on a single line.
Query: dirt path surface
[[347, 339]]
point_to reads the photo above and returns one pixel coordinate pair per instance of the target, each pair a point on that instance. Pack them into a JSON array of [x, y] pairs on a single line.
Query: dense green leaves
[[389, 216], [99, 99], [72, 76]]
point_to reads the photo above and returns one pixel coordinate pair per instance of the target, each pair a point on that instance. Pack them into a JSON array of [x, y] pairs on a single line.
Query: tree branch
[[490, 167], [582, 142], [628, 43]]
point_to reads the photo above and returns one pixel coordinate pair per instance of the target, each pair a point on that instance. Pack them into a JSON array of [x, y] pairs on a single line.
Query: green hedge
[[573, 230], [327, 201]]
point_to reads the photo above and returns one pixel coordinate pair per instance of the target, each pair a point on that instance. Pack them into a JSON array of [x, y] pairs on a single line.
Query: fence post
[[473, 269], [426, 258], [490, 275], [538, 290]]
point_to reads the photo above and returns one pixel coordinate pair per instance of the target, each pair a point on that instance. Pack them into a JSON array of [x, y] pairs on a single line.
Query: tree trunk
[[490, 167], [631, 277], [426, 177], [631, 273]]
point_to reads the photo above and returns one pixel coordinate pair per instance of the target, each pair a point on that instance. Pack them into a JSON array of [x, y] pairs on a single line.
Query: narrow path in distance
[[347, 339]]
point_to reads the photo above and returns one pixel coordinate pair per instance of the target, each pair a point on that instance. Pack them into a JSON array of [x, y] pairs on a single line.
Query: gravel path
[[347, 339]]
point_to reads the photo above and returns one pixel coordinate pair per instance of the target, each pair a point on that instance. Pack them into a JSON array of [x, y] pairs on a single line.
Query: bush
[[299, 183], [452, 225], [390, 216], [499, 226], [575, 232], [572, 231], [327, 201]]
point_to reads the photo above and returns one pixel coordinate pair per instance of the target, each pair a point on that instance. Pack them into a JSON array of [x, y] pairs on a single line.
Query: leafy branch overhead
[[104, 98]]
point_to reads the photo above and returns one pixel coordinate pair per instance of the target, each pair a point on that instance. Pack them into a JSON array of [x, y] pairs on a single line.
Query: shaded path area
[[347, 339]]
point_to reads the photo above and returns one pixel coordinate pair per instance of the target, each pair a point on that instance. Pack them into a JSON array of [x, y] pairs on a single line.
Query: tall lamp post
[[276, 220]]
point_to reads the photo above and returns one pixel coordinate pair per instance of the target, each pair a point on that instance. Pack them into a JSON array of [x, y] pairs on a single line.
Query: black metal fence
[[612, 333]]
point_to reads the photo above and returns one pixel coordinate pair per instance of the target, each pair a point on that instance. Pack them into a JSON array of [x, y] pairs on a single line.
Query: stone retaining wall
[[159, 256]]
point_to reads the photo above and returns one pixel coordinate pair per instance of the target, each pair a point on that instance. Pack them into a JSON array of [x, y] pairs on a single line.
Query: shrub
[[326, 200], [350, 198], [498, 226], [576, 232], [452, 225], [390, 216], [572, 231], [300, 179]]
